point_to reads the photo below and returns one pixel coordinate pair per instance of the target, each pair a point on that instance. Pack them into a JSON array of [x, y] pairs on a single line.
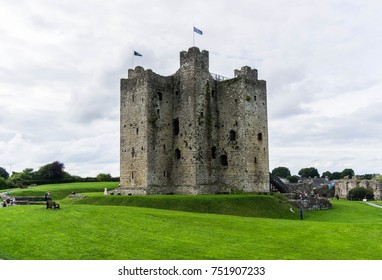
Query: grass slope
[[240, 205], [352, 230], [60, 191]]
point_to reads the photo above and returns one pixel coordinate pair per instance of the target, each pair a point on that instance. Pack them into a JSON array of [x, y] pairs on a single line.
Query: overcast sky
[[61, 63]]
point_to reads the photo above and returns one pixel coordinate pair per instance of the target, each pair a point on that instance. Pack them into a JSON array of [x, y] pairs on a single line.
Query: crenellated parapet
[[193, 57], [247, 72]]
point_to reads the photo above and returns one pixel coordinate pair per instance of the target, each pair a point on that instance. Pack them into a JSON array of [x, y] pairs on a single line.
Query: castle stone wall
[[133, 127], [188, 133]]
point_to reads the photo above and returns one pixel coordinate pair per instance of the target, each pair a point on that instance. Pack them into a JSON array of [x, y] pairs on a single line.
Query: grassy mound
[[246, 205]]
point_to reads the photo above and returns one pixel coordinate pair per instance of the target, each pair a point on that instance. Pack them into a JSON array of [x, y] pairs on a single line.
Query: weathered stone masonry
[[189, 133], [344, 186]]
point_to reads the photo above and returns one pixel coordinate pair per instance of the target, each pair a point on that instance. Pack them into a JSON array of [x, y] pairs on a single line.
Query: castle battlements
[[194, 57], [190, 133], [138, 71], [247, 72]]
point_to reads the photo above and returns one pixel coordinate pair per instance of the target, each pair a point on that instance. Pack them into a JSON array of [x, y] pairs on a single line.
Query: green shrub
[[3, 183], [360, 193], [280, 196]]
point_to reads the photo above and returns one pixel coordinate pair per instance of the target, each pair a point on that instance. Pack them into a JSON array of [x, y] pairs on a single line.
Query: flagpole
[[133, 60], [193, 36]]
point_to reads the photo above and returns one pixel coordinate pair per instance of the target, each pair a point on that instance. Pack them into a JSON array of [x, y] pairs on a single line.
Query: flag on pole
[[137, 53], [196, 30]]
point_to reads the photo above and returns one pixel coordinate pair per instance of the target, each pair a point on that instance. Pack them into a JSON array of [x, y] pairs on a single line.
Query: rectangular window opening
[[224, 160], [213, 152], [175, 126]]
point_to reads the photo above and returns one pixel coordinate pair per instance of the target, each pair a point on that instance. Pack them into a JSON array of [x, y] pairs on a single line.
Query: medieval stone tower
[[189, 133]]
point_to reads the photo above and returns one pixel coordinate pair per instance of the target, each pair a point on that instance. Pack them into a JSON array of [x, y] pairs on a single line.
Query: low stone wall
[[306, 187], [311, 203]]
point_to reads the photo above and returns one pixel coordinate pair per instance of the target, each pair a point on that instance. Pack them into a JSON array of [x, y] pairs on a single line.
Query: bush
[[3, 183], [360, 193], [280, 196]]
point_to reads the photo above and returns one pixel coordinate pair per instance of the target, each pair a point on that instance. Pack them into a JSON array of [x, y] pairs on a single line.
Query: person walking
[[301, 217]]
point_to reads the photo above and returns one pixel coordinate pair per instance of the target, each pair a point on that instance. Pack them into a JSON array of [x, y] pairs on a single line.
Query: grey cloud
[[75, 52]]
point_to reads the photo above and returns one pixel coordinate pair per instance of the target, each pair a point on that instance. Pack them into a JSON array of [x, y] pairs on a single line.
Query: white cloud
[[61, 62]]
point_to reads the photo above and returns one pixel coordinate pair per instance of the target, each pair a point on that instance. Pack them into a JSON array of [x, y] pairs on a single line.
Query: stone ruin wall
[[343, 187]]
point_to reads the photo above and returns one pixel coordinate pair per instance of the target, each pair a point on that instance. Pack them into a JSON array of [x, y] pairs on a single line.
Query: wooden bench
[[52, 205]]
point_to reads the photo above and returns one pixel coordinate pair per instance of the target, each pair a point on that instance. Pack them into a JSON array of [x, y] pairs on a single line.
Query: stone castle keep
[[189, 133]]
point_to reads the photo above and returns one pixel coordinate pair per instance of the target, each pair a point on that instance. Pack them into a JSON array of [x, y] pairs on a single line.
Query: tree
[[102, 177], [360, 193], [282, 172], [366, 176], [52, 171], [326, 174], [3, 173], [347, 172], [379, 178], [309, 172], [335, 176], [3, 183]]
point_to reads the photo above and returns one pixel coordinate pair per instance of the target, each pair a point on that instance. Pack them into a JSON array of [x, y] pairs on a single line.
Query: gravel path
[[373, 204]]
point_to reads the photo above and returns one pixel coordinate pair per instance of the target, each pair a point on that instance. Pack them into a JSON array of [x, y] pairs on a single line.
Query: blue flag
[[137, 53], [200, 32]]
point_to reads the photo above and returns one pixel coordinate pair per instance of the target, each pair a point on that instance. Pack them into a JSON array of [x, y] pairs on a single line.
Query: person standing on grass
[[301, 213], [47, 196]]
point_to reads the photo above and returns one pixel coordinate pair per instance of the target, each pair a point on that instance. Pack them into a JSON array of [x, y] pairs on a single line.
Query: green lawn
[[60, 191], [99, 227]]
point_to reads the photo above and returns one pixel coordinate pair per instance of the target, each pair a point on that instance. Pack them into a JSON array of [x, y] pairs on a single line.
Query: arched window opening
[[159, 95]]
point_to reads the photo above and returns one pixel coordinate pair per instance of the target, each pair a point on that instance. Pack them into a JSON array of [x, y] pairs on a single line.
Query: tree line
[[47, 174], [311, 172]]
